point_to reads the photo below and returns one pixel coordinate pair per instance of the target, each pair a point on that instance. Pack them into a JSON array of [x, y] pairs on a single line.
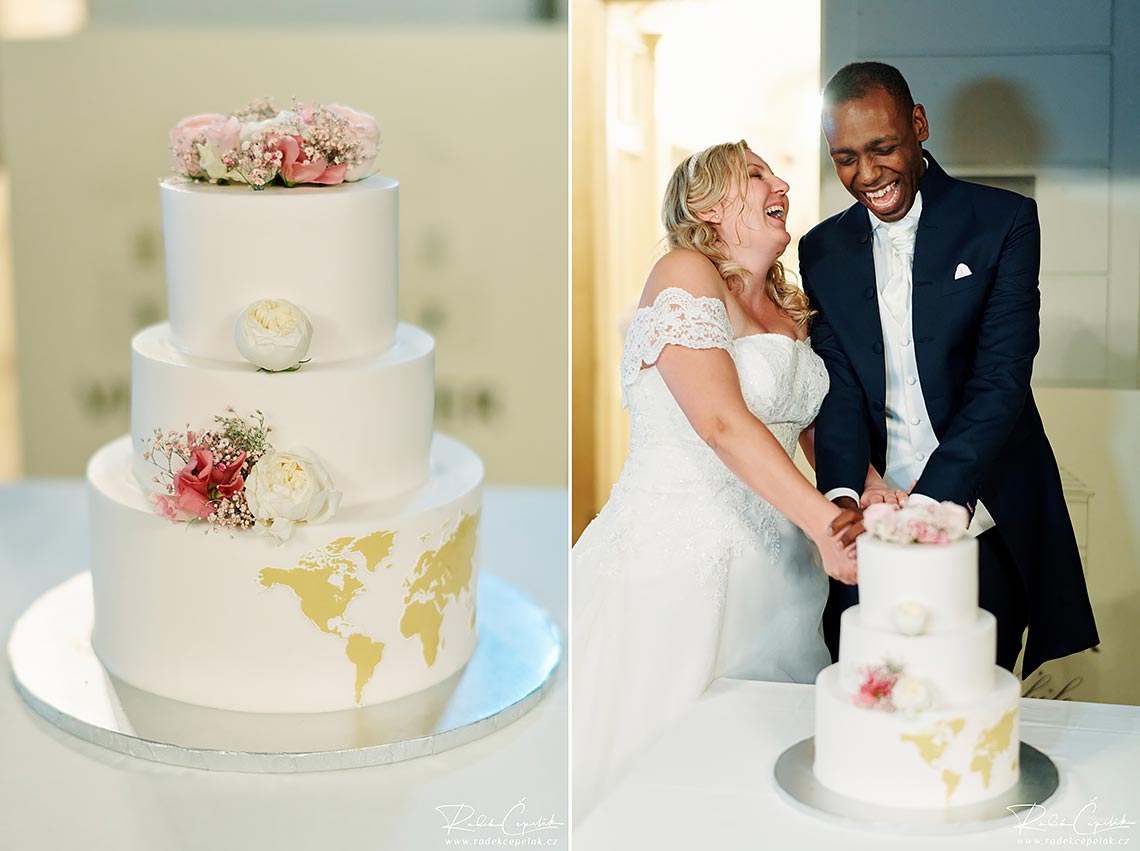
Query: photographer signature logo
[[463, 818], [1087, 822]]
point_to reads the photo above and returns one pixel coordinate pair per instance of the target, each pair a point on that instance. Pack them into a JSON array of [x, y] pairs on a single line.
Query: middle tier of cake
[[368, 421], [957, 664]]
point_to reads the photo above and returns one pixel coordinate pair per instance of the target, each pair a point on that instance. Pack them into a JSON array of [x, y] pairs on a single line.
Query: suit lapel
[[941, 233], [858, 305]]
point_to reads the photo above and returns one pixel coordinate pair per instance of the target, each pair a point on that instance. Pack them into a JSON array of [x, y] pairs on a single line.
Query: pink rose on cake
[[297, 167], [198, 485], [367, 132], [185, 138], [878, 684], [286, 488]]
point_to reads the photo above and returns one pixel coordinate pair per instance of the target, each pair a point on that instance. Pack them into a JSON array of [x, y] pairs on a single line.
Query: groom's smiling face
[[877, 151]]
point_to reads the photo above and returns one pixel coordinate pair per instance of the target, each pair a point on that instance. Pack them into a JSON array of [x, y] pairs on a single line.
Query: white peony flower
[[911, 618], [285, 121], [273, 334], [286, 488], [911, 694]]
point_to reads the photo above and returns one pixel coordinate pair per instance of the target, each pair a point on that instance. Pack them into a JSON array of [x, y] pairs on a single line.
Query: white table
[[707, 782], [60, 793]]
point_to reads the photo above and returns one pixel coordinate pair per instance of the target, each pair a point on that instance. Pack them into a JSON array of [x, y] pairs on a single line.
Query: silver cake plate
[[798, 785], [58, 674]]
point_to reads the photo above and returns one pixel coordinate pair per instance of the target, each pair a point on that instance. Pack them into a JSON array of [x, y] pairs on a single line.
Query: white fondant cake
[[370, 421], [331, 561], [377, 603], [330, 249], [915, 713]]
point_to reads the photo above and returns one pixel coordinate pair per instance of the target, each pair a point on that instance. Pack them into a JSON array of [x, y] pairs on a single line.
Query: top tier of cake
[[330, 250], [941, 578]]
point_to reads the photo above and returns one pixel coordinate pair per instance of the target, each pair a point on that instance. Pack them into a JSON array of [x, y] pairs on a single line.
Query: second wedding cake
[[916, 713], [281, 531]]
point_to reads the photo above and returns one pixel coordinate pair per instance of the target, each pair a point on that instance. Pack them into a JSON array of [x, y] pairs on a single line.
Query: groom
[[927, 298]]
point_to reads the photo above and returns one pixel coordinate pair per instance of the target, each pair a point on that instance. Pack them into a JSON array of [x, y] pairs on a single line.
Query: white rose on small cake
[[286, 488], [274, 335]]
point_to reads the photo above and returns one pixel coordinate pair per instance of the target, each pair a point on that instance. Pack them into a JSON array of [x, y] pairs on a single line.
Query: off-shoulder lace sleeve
[[675, 318]]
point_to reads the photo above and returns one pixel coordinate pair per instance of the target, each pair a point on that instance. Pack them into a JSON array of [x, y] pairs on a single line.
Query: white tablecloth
[[60, 793], [707, 782]]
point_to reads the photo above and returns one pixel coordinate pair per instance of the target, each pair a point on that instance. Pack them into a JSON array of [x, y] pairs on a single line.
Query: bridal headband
[[692, 166]]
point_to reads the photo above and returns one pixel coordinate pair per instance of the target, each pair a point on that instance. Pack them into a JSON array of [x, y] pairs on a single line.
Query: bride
[[706, 561]]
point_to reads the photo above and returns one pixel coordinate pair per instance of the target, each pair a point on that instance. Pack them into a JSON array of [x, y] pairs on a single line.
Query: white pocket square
[[962, 271]]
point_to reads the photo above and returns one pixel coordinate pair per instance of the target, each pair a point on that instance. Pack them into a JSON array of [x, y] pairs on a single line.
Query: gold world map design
[[991, 743], [327, 580]]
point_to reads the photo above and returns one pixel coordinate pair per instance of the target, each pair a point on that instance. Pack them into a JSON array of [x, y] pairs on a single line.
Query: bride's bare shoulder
[[685, 269]]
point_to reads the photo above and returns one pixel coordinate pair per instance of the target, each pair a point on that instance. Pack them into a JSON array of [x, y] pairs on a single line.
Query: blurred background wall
[[470, 97], [1035, 95]]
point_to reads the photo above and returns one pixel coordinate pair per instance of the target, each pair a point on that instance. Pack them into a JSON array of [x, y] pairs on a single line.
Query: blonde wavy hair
[[698, 184]]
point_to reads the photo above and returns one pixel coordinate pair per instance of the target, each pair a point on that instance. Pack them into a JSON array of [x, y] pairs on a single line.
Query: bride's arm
[[706, 386]]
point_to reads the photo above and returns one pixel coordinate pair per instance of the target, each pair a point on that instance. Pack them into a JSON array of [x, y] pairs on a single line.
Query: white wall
[[475, 128]]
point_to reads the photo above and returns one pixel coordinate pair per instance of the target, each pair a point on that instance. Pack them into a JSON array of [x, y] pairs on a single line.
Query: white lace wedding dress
[[686, 574]]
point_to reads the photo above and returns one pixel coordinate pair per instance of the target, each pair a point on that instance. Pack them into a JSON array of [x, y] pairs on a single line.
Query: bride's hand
[[837, 546]]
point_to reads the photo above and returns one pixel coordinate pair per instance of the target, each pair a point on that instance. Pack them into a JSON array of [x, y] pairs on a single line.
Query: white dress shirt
[[910, 436]]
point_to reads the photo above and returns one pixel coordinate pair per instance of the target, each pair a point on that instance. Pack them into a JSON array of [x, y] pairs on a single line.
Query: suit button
[[915, 421], [905, 342], [878, 405], [877, 348], [869, 293], [912, 381], [919, 456]]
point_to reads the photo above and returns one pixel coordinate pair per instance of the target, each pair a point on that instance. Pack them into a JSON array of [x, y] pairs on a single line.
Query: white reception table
[[59, 793], [707, 782]]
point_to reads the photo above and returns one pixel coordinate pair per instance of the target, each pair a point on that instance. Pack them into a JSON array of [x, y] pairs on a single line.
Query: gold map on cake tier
[[328, 579], [991, 742]]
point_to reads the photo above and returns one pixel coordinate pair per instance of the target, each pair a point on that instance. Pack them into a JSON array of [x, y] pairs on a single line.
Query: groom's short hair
[[853, 81]]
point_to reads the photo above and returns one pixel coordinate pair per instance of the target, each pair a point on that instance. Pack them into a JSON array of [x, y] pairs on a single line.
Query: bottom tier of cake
[[375, 604], [947, 757]]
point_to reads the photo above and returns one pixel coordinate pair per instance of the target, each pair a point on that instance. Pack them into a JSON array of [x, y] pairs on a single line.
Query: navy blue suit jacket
[[975, 339]]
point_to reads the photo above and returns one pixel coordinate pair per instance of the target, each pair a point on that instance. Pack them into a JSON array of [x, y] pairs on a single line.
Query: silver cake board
[[798, 785], [58, 674]]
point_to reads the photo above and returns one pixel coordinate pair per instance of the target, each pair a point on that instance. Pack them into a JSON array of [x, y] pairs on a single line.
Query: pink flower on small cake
[[211, 483], [199, 484], [938, 523], [258, 145], [877, 686], [296, 167]]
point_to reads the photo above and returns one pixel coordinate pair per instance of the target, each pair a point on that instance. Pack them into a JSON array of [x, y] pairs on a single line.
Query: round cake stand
[[59, 675], [797, 784]]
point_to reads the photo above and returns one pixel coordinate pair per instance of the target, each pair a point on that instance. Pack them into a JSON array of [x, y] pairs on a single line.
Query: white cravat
[[910, 435], [895, 246]]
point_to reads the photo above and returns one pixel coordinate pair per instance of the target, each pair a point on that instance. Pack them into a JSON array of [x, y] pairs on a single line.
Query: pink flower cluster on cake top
[[259, 144], [932, 523]]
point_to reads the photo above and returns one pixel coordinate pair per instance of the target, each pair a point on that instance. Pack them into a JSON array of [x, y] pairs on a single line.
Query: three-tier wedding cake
[[916, 713], [282, 531]]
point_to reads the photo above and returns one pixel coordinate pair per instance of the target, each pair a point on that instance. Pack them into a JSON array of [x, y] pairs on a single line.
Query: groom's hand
[[847, 503], [849, 521]]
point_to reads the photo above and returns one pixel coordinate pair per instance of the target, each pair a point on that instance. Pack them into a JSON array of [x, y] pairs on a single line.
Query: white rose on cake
[[911, 694], [286, 488], [273, 334], [911, 618]]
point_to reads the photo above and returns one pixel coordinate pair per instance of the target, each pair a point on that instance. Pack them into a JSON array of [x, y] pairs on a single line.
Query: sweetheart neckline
[[769, 334]]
